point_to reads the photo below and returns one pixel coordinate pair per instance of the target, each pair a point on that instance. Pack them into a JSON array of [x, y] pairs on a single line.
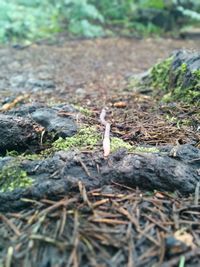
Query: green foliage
[[85, 111], [147, 29], [157, 4], [28, 20], [89, 138], [85, 28], [117, 143], [190, 94], [189, 13], [160, 79], [12, 177], [82, 17], [115, 10], [160, 74], [86, 137], [23, 20]]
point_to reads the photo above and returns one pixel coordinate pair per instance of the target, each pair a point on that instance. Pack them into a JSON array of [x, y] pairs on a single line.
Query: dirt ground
[[114, 225], [95, 74], [74, 69]]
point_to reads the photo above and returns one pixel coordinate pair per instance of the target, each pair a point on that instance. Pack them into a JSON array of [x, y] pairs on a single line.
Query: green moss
[[157, 79], [189, 94], [197, 74], [160, 74], [167, 97], [177, 121], [117, 143], [86, 112], [86, 137], [12, 153], [31, 156], [160, 79], [146, 149], [135, 83], [23, 156], [13, 177], [183, 68]]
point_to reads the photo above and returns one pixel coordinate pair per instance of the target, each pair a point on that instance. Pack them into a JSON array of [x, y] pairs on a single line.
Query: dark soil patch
[[113, 224]]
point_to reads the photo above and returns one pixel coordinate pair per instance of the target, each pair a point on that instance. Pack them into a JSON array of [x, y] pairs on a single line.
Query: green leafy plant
[[28, 20], [82, 18], [20, 20]]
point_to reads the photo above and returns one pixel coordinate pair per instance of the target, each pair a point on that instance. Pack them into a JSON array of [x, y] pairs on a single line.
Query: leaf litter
[[113, 224]]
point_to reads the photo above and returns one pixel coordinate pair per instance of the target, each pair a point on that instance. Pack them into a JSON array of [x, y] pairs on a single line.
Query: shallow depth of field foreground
[[100, 145]]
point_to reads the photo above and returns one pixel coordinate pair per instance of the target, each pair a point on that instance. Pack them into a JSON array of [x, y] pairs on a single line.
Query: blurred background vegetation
[[29, 20]]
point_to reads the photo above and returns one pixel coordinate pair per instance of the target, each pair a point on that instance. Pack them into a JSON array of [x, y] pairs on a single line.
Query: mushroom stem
[[106, 139]]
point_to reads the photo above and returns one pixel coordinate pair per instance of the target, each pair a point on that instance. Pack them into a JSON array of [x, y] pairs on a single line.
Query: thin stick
[[10, 224]]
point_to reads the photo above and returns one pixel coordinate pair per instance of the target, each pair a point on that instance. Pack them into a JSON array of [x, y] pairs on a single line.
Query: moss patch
[[13, 177], [146, 149], [172, 83], [160, 74], [86, 137], [86, 112], [117, 143], [89, 138], [177, 121]]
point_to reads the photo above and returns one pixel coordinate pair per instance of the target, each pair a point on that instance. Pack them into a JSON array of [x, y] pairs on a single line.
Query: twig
[[85, 168], [49, 240], [10, 224], [84, 193], [73, 258], [62, 203], [63, 221], [108, 221], [196, 198], [131, 247], [9, 257]]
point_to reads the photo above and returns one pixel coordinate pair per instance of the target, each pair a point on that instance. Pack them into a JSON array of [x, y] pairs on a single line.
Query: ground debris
[[84, 210], [108, 226]]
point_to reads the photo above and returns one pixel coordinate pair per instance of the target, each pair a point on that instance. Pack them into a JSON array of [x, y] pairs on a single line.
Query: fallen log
[[176, 169]]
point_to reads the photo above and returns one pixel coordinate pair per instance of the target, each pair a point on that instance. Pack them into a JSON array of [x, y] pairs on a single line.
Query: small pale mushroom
[[106, 139]]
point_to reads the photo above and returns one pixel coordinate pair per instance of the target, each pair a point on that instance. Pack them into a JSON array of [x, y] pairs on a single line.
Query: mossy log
[[172, 169]]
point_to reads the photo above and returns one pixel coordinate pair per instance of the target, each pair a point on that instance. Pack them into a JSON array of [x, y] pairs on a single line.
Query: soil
[[114, 224]]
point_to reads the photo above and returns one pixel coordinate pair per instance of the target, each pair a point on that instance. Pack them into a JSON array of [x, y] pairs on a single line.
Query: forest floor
[[114, 225]]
